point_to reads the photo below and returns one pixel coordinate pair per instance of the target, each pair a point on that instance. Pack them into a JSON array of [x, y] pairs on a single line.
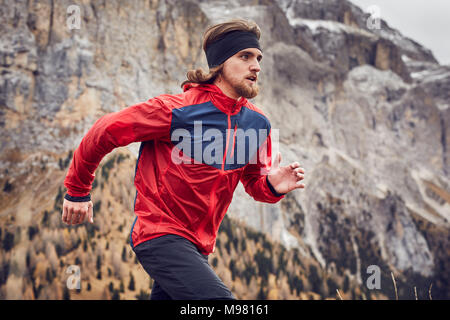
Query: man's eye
[[245, 55]]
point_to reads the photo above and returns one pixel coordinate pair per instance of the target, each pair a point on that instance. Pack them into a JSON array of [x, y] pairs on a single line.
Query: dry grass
[[395, 286], [429, 292], [395, 289]]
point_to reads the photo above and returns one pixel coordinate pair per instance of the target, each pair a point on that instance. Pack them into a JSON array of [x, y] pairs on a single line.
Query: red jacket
[[178, 191]]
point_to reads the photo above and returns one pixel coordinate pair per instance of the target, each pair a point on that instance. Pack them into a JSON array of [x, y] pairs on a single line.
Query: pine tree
[[124, 254], [99, 263], [8, 241], [66, 293], [131, 284], [49, 275], [261, 294], [143, 295], [116, 295]]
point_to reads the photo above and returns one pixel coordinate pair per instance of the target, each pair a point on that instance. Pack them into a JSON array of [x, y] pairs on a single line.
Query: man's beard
[[245, 90], [242, 89]]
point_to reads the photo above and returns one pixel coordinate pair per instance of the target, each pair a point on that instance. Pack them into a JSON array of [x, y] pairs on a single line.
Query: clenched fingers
[[294, 165], [76, 212], [299, 174], [70, 213], [65, 213], [79, 216], [299, 184], [299, 170], [91, 212], [82, 213]]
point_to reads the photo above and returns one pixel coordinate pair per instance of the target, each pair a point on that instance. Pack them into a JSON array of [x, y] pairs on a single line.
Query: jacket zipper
[[234, 140], [228, 137], [212, 194], [226, 145]]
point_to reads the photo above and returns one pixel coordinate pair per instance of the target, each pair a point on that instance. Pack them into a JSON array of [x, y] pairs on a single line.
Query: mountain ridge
[[368, 120]]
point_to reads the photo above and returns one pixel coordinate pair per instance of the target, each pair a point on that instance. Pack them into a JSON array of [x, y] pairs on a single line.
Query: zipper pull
[[234, 139]]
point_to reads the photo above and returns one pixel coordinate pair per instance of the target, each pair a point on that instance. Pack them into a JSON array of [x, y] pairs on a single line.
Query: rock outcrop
[[365, 111]]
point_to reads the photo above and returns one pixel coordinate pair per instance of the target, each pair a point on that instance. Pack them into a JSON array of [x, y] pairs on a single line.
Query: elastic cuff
[[77, 199], [272, 189]]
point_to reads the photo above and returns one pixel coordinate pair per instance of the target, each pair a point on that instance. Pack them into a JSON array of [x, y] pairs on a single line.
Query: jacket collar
[[218, 98]]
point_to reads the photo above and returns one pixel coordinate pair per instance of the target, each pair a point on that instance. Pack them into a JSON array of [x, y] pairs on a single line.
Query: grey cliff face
[[365, 112]]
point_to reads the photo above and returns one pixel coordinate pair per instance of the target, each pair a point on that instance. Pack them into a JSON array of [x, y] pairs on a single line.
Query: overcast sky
[[425, 21]]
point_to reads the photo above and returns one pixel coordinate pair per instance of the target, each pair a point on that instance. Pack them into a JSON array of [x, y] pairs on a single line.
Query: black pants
[[180, 270]]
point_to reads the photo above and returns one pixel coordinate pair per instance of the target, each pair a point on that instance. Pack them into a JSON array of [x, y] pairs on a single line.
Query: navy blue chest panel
[[204, 133]]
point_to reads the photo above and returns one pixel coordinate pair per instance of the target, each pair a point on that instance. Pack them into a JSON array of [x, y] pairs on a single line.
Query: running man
[[195, 148]]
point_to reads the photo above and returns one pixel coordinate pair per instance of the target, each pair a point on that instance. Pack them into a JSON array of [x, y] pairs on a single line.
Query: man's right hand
[[76, 212]]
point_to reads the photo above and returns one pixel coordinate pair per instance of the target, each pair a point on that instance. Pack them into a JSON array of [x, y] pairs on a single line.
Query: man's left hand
[[286, 179]]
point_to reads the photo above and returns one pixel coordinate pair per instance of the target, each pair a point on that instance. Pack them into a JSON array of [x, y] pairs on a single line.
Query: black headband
[[233, 42]]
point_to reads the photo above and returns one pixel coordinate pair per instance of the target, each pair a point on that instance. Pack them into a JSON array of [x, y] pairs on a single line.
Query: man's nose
[[255, 67]]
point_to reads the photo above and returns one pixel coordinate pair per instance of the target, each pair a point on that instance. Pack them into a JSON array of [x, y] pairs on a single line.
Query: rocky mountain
[[364, 110]]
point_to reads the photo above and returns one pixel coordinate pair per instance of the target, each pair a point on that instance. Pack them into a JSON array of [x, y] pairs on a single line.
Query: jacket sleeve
[[140, 122], [255, 176]]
